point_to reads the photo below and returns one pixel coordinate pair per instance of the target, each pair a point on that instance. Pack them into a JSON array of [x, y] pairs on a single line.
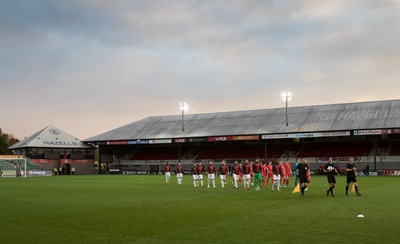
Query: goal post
[[13, 166]]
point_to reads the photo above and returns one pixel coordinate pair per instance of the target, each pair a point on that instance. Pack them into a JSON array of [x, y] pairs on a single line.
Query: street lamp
[[184, 107], [286, 98]]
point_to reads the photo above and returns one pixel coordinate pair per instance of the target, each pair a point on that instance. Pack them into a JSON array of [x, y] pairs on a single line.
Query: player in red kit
[[236, 173], [211, 174], [251, 173], [277, 170], [288, 171], [246, 175], [200, 170], [194, 174], [167, 170], [270, 174], [282, 173], [223, 172], [240, 173], [179, 173], [264, 171], [308, 176]]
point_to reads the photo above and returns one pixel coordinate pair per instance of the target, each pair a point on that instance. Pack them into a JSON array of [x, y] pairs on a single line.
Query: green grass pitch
[[143, 209]]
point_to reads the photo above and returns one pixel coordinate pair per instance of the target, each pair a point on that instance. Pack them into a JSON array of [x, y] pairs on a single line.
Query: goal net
[[13, 167], [19, 166]]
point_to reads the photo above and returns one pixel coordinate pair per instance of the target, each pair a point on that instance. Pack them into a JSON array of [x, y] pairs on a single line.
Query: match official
[[301, 171], [331, 171], [351, 176]]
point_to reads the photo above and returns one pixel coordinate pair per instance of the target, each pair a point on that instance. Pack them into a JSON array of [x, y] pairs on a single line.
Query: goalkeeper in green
[[257, 174]]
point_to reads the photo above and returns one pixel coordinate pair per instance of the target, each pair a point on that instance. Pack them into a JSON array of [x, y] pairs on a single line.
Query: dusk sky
[[87, 67]]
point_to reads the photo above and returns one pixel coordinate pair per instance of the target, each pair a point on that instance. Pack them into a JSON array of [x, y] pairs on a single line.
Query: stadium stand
[[333, 149], [382, 147], [33, 166], [369, 131], [159, 153], [213, 152], [230, 152], [395, 148]]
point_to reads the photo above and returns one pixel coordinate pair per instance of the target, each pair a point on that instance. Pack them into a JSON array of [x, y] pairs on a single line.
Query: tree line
[[6, 140]]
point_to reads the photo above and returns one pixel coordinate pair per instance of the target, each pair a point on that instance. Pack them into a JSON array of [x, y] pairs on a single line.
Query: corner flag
[[296, 189]]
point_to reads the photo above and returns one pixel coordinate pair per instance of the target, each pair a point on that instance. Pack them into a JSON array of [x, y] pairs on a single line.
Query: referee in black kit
[[331, 171], [301, 172], [351, 176]]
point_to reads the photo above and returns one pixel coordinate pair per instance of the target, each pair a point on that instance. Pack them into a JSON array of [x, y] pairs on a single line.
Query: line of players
[[279, 173], [250, 173]]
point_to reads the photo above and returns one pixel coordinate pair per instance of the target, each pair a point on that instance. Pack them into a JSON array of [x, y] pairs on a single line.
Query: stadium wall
[[123, 156]]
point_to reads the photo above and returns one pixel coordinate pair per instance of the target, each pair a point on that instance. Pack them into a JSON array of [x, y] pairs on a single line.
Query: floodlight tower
[[183, 107], [286, 98]]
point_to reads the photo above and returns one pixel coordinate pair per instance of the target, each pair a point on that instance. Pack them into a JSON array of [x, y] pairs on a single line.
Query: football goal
[[13, 167]]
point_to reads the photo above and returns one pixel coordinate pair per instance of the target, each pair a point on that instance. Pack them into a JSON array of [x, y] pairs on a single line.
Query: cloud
[[78, 63]]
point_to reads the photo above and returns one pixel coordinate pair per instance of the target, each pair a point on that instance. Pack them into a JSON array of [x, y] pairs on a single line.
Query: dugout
[[52, 148], [368, 131]]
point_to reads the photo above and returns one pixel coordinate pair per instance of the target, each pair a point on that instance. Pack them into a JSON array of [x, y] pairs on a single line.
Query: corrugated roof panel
[[350, 116]]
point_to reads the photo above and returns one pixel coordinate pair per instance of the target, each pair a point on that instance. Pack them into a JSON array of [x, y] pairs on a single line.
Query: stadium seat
[[336, 149]]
